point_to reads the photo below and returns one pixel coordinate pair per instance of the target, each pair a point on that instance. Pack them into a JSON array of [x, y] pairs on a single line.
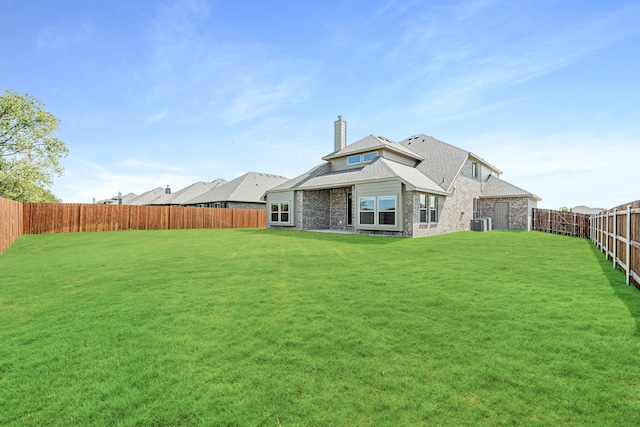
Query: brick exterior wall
[[520, 211], [338, 208], [315, 209]]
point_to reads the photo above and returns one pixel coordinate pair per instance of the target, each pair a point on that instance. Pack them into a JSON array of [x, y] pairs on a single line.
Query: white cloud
[[206, 76], [567, 169], [158, 117]]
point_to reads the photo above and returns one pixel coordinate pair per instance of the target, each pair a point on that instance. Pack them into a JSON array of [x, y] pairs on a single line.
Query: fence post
[[615, 236], [575, 218], [606, 242], [548, 220], [628, 244]]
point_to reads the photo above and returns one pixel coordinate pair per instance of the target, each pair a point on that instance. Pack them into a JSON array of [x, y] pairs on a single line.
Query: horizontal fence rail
[[46, 218], [617, 233], [10, 223], [558, 222]]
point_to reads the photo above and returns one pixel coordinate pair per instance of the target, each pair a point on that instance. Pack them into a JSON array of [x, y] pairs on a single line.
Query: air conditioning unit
[[481, 224]]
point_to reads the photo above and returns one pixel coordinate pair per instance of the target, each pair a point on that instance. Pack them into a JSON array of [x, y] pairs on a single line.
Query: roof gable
[[442, 162], [371, 143], [188, 193], [246, 188], [148, 197]]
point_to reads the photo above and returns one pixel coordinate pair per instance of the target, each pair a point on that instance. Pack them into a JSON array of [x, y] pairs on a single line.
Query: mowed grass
[[268, 328]]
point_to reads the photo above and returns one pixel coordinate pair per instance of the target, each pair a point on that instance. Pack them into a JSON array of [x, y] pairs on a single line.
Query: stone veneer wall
[[315, 210], [338, 208], [520, 211]]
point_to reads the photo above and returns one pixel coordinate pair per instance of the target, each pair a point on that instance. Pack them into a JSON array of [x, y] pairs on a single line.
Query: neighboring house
[[149, 196], [187, 193], [118, 200], [586, 210], [244, 192], [416, 187]]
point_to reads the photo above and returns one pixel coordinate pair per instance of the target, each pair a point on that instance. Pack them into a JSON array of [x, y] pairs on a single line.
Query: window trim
[[376, 211], [474, 169], [423, 208], [393, 210], [353, 157], [364, 156], [372, 211], [280, 212], [433, 208]]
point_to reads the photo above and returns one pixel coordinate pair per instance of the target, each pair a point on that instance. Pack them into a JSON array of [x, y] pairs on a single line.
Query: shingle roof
[[442, 161], [246, 188], [370, 143], [148, 197], [439, 165], [381, 168], [496, 187], [194, 190], [126, 199]]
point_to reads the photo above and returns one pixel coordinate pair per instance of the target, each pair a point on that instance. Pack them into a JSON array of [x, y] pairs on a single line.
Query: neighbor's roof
[[246, 188], [586, 210], [496, 187], [379, 169], [371, 143], [188, 193], [126, 199], [148, 197]]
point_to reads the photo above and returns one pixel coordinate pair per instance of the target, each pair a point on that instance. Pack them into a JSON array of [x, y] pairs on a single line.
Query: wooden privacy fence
[[557, 222], [43, 218], [10, 222], [617, 233]]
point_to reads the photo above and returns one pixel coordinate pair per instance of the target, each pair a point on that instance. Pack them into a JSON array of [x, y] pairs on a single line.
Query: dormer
[[366, 150]]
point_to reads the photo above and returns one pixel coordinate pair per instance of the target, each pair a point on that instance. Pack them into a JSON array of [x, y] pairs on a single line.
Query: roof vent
[[167, 190]]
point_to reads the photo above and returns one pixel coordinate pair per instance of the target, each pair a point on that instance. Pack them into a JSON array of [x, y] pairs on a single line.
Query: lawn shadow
[[627, 294], [351, 238]]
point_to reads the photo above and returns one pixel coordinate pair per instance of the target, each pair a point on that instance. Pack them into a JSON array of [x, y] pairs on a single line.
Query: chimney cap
[[339, 117]]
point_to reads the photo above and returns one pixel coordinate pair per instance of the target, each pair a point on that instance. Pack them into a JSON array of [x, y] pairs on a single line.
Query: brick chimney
[[340, 134]]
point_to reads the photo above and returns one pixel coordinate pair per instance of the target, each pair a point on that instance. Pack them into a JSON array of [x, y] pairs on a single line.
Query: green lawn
[[268, 328]]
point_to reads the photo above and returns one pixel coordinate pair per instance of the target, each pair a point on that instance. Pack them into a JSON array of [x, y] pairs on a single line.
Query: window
[[216, 205], [378, 211], [476, 208], [280, 211], [367, 157], [349, 209], [387, 210], [423, 208], [354, 160], [367, 210], [474, 169], [433, 209]]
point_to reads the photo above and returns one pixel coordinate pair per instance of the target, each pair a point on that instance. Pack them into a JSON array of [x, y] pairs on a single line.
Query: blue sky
[[156, 93]]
